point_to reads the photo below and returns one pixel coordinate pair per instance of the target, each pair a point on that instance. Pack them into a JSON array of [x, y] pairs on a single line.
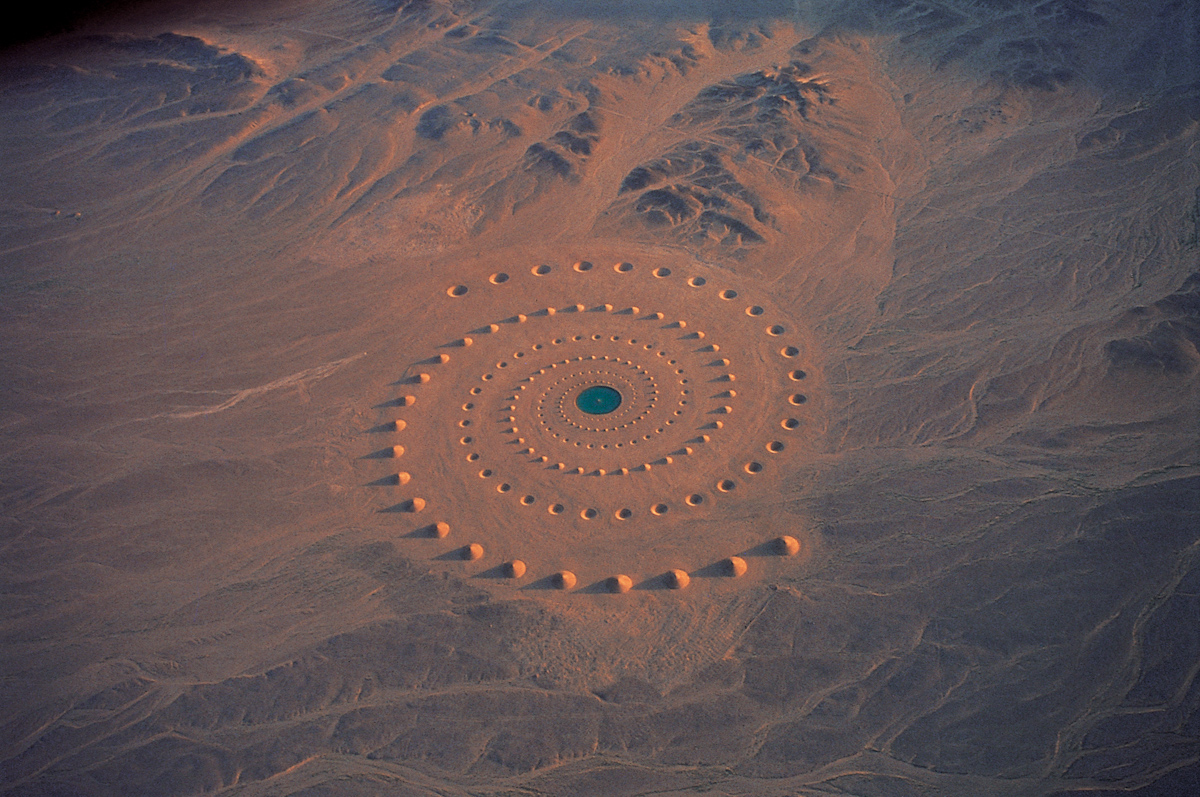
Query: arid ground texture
[[552, 398]]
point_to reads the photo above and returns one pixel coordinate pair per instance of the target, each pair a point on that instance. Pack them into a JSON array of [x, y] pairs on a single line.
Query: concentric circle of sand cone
[[514, 569], [787, 546], [471, 552], [527, 408], [620, 583], [734, 566], [676, 579], [563, 579]]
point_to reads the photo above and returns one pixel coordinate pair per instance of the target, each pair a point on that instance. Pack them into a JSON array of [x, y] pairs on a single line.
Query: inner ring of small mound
[[598, 399], [646, 419], [639, 399], [567, 408], [557, 410]]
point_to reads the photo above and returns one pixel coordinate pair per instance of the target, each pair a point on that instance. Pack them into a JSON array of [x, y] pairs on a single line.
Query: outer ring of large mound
[[717, 478]]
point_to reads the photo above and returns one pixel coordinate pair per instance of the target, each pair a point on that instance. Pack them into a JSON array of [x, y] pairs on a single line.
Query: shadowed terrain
[[296, 299]]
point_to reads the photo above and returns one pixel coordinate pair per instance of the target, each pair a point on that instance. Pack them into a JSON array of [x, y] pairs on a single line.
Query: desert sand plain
[[298, 301]]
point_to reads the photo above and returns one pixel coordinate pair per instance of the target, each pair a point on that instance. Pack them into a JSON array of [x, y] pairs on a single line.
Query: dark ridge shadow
[[381, 428], [661, 10], [991, 40], [391, 480], [396, 402], [629, 691]]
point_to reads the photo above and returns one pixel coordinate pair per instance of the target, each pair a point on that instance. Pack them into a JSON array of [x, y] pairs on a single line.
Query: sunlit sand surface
[[563, 398]]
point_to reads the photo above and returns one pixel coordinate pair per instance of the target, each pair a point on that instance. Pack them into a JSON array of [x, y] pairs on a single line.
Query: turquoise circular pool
[[598, 400]]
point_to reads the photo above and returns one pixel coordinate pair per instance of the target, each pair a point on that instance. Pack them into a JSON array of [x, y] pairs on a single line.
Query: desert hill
[[891, 487]]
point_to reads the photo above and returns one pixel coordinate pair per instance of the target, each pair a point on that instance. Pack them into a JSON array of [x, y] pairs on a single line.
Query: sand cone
[[787, 546], [676, 579], [621, 583], [734, 566]]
